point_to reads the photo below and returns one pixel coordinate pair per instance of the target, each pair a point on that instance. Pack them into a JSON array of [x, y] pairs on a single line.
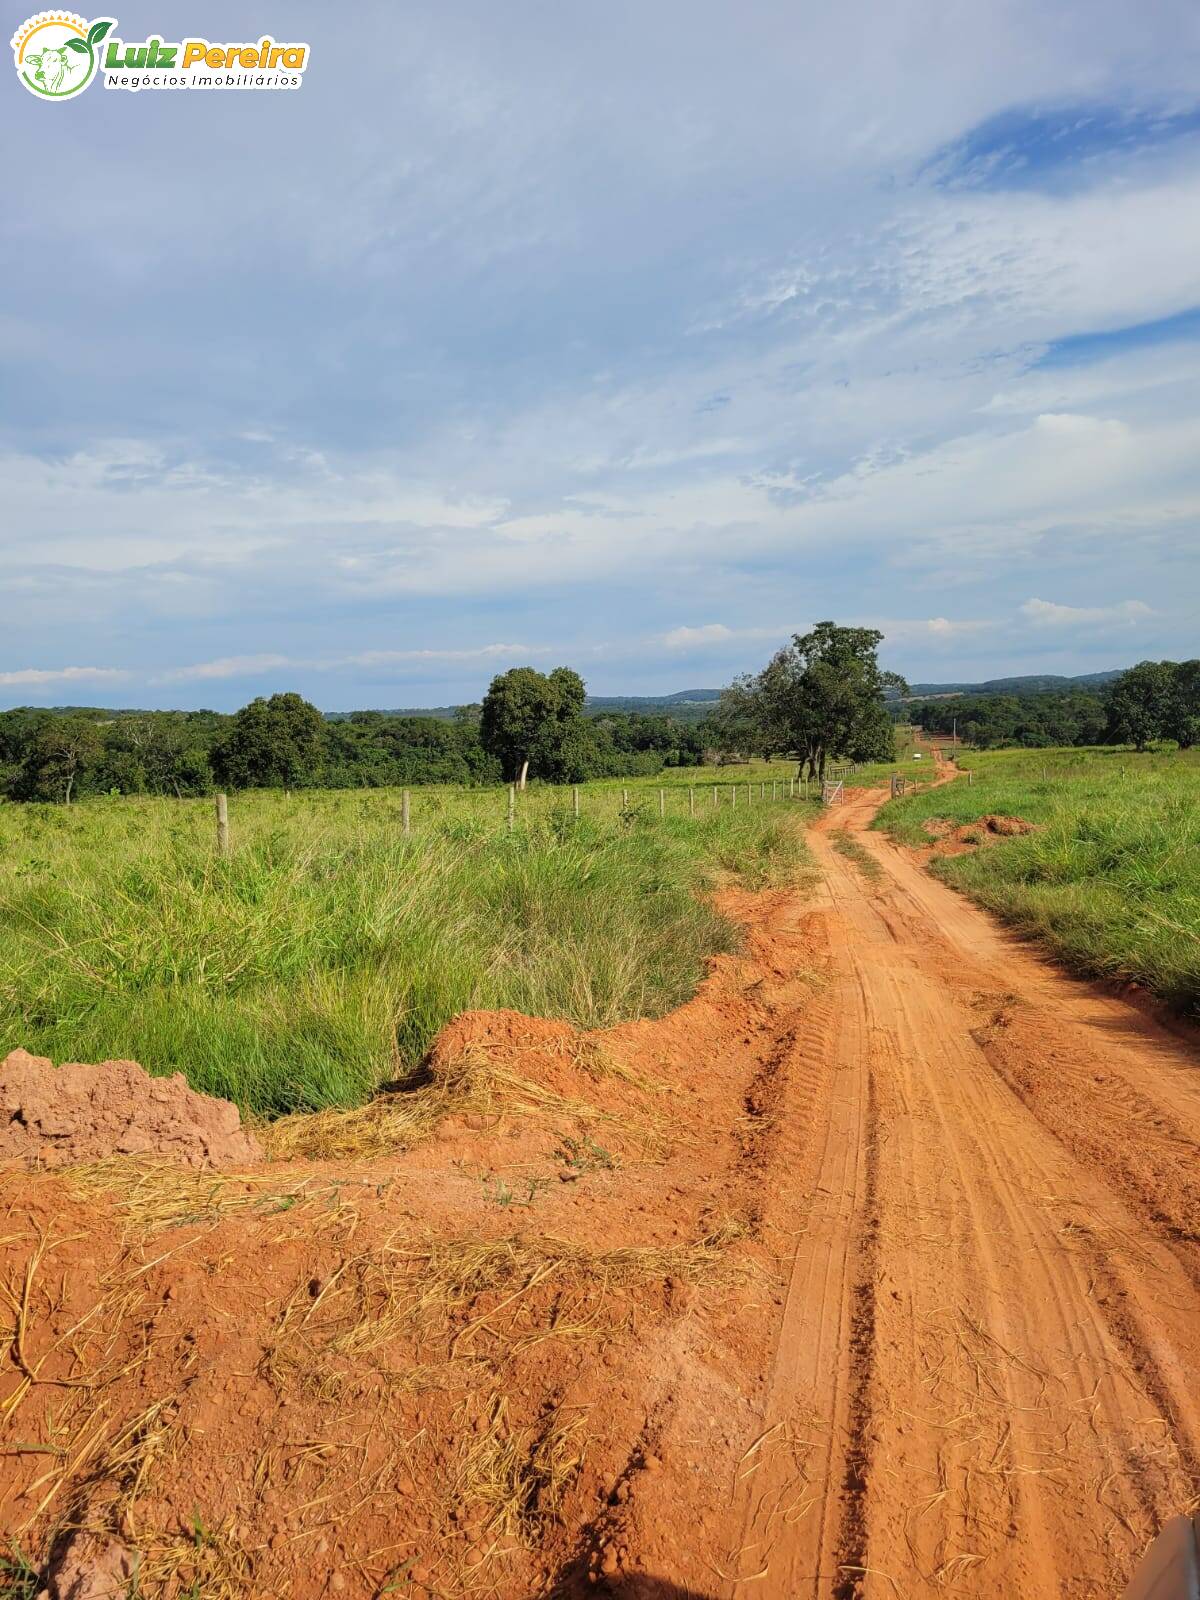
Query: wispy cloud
[[1048, 614], [943, 630], [248, 666], [716, 633], [40, 677], [226, 667]]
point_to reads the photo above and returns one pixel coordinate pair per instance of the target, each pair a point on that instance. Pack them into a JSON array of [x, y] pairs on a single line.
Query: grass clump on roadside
[[861, 857], [320, 960], [1110, 876]]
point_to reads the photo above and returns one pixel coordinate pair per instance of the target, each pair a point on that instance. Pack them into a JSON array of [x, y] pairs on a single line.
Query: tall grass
[[321, 958], [1110, 878]]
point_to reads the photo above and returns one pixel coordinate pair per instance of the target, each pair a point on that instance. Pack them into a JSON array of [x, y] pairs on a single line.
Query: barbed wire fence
[[694, 800]]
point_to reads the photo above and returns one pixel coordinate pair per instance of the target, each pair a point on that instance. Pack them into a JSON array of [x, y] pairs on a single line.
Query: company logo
[[57, 54]]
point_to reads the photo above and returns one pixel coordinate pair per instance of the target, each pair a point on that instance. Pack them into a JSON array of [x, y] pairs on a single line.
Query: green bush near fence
[[322, 956], [1109, 878]]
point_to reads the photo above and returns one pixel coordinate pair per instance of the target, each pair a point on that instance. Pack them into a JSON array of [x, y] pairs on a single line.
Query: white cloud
[[950, 270], [483, 652], [1048, 614], [688, 638], [715, 633], [252, 665], [34, 677], [225, 667], [930, 630], [943, 628]]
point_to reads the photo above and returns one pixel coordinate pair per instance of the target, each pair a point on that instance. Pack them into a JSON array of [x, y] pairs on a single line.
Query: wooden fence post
[[406, 813], [762, 790], [662, 802], [575, 801], [691, 802], [714, 794], [733, 796], [222, 825], [512, 806], [624, 799]]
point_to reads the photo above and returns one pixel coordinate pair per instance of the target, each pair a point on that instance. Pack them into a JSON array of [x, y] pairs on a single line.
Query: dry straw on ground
[[474, 1084]]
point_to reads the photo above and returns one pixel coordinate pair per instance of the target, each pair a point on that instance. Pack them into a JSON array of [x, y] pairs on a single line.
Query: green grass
[[18, 1577], [861, 857], [1110, 879], [324, 955]]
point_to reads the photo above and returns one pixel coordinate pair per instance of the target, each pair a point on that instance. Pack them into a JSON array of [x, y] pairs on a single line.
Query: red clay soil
[[992, 824], [954, 838], [55, 1117], [949, 838], [846, 1278]]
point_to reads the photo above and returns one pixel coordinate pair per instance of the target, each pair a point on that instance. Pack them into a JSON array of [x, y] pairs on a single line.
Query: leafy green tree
[[749, 718], [18, 729], [529, 720], [1183, 710], [1139, 703], [61, 754], [821, 696], [579, 753], [165, 752], [875, 736], [272, 742]]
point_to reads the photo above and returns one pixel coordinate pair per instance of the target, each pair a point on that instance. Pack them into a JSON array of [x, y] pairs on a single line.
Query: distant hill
[[438, 713], [1032, 683], [684, 702], [652, 701], [693, 705]]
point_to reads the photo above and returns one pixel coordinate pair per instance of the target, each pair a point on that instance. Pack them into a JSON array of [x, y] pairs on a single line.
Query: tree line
[[1005, 721], [1153, 702], [529, 721], [822, 697]]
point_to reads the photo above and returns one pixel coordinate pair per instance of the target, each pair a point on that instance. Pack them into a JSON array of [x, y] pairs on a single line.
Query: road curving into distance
[[987, 1377]]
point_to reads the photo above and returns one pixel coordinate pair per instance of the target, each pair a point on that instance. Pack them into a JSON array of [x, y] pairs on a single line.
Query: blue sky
[[634, 338]]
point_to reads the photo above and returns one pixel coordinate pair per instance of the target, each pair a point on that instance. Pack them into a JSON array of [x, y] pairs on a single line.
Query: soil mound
[[956, 839], [54, 1116], [1006, 827]]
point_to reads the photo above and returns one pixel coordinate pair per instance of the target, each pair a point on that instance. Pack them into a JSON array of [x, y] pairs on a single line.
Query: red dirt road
[[873, 1271], [987, 1380]]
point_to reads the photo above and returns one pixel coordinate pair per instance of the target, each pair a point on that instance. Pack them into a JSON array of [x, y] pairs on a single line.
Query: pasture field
[[322, 957], [1110, 877]]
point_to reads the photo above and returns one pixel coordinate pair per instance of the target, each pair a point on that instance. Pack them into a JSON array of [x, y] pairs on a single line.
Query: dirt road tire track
[[987, 1381]]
